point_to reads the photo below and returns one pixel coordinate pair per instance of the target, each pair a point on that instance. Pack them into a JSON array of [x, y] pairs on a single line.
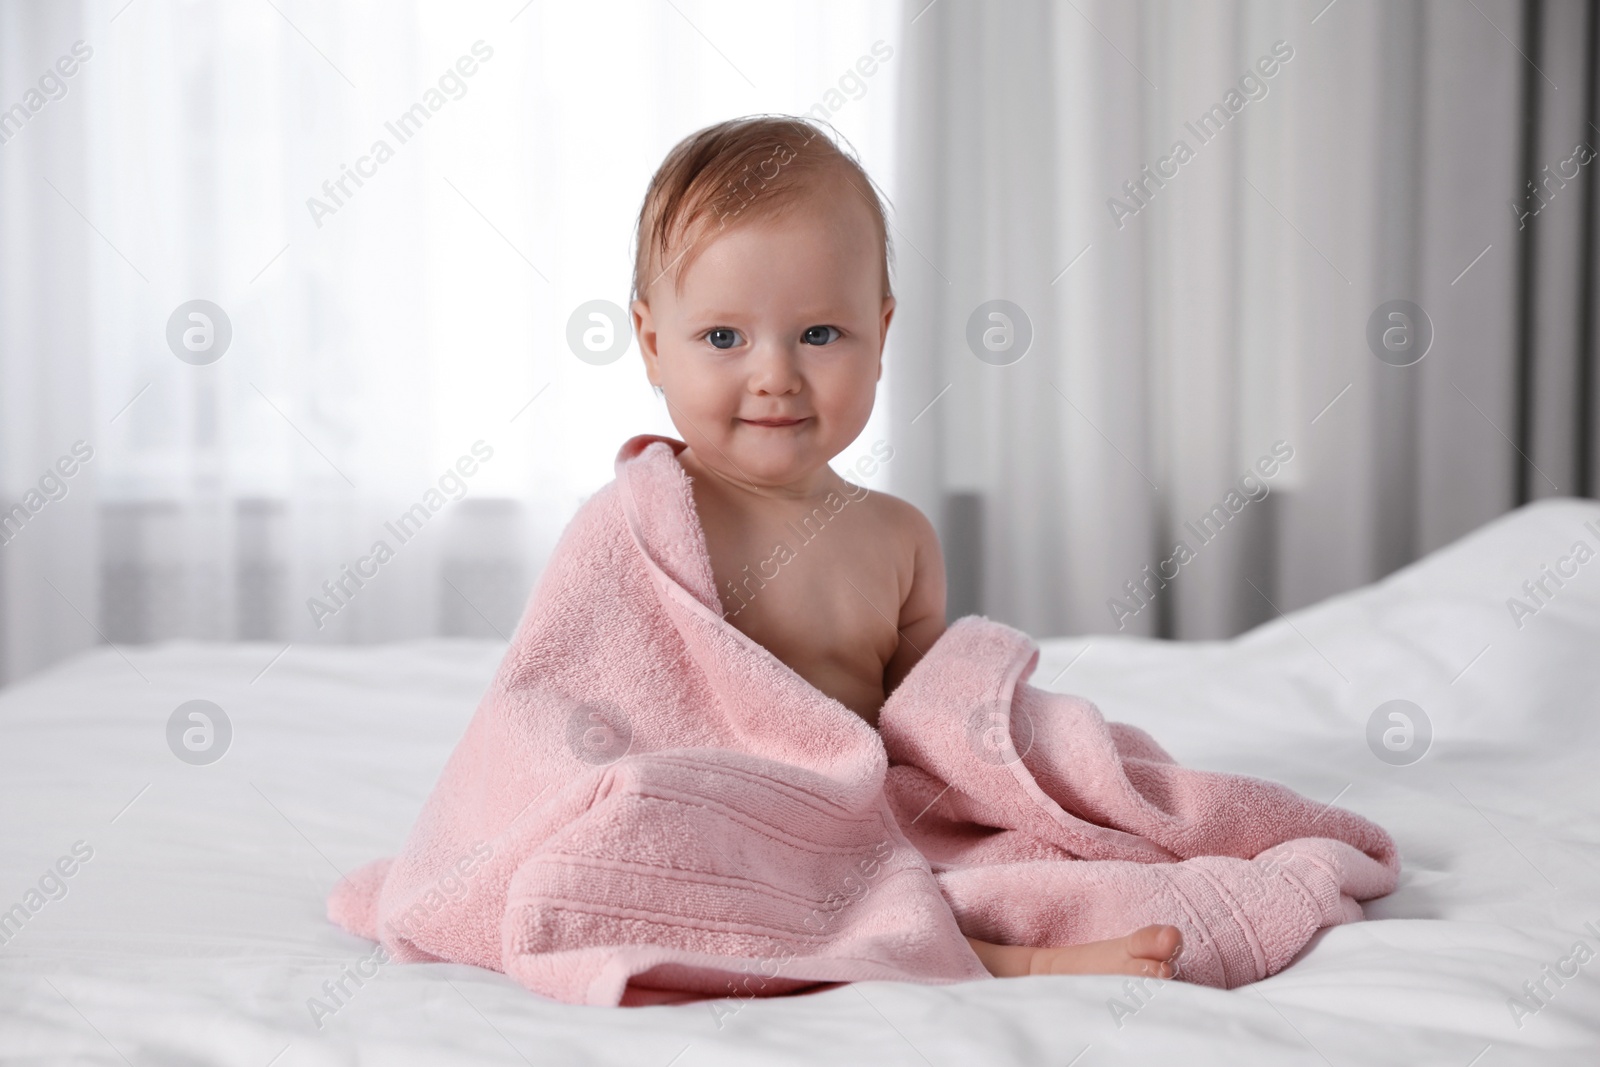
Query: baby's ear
[[644, 329], [639, 311], [883, 334]]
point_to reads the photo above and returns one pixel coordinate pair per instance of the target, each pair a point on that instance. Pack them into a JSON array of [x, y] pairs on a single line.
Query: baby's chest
[[818, 596]]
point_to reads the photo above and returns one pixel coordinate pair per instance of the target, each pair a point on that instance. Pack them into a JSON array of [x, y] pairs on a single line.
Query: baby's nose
[[775, 368]]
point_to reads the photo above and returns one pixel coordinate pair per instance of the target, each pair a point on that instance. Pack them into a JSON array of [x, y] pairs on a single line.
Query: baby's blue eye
[[818, 335], [722, 337]]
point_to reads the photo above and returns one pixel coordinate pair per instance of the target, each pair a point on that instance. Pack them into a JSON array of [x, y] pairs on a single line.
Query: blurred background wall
[[1347, 321]]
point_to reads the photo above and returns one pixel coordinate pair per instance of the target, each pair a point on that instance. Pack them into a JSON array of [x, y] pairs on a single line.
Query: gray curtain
[[1238, 297]]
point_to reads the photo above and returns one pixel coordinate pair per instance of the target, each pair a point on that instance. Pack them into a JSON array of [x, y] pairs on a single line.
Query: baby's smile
[[778, 422]]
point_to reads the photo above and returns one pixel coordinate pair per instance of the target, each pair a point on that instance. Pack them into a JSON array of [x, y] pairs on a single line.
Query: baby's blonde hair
[[738, 171]]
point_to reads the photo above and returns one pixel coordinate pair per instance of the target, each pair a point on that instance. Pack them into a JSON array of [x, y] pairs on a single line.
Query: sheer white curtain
[[1370, 152], [397, 313]]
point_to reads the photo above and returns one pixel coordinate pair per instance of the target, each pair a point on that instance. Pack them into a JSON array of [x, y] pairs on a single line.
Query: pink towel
[[650, 807]]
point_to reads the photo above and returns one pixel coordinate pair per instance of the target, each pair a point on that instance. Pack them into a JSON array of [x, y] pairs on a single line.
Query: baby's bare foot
[[1151, 951]]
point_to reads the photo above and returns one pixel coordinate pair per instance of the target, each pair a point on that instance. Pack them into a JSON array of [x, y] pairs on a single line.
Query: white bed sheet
[[196, 933]]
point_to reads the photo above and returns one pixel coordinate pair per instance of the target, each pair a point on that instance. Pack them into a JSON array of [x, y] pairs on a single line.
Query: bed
[[180, 916]]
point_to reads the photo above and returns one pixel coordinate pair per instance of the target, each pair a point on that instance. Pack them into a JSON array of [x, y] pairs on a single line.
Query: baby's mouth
[[775, 424]]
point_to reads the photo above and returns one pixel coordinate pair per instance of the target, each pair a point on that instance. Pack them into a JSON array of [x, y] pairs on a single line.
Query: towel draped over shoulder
[[649, 807]]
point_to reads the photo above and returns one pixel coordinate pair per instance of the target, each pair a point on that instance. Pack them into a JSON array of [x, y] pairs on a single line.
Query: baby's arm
[[922, 605]]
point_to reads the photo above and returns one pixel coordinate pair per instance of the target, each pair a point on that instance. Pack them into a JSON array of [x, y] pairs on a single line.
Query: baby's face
[[770, 352]]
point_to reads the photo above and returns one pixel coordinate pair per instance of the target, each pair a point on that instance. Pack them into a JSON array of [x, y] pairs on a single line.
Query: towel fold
[[649, 807]]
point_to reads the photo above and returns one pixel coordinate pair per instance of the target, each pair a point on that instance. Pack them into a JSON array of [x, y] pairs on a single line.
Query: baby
[[761, 304]]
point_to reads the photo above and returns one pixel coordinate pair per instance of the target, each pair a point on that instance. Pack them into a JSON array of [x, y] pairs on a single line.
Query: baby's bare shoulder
[[921, 577], [903, 521]]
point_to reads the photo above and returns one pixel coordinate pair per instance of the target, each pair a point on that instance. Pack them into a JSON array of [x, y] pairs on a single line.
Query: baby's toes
[[1159, 944], [1154, 969]]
